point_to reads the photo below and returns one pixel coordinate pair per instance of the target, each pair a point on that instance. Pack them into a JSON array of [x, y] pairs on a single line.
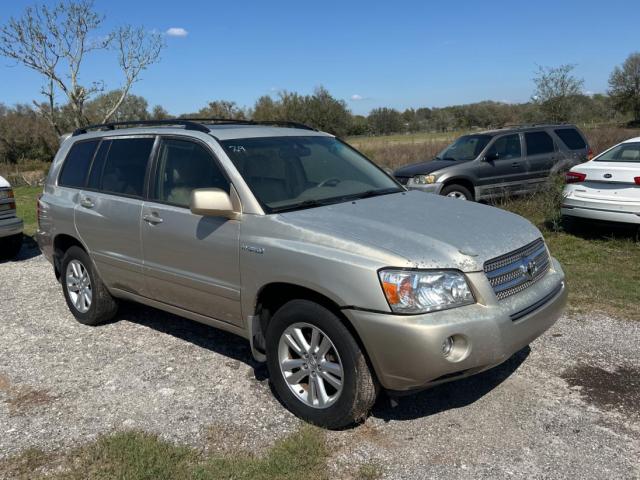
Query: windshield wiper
[[450, 159], [303, 204], [373, 193], [328, 201]]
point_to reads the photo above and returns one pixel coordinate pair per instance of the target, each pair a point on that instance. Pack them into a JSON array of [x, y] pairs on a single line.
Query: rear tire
[[86, 296], [457, 191], [317, 396], [10, 246]]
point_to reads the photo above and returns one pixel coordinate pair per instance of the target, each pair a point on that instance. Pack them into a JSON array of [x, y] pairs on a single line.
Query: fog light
[[447, 346]]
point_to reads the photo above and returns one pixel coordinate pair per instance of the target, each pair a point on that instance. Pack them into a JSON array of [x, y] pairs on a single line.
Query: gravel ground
[[567, 407]]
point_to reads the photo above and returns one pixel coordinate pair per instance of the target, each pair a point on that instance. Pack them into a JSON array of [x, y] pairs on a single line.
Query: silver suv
[[343, 281]]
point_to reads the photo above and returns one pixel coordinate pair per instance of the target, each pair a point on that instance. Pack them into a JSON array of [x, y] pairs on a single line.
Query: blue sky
[[390, 53]]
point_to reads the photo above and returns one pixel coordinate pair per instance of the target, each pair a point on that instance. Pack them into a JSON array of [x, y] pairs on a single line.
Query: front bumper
[[406, 351], [10, 226], [429, 188]]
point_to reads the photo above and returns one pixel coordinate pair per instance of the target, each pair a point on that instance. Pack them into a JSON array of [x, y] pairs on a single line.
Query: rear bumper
[[10, 226], [610, 212], [406, 351]]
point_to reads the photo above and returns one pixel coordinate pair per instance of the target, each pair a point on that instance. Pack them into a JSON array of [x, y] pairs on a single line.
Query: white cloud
[[356, 97], [177, 32]]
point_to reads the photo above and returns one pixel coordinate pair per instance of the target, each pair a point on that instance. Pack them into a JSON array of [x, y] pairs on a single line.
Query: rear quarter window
[[76, 165], [571, 138]]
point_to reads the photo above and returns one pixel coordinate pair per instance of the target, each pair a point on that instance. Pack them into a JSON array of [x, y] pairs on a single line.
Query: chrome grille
[[512, 273]]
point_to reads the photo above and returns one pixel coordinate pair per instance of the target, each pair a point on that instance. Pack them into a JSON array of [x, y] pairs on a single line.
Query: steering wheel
[[330, 182]]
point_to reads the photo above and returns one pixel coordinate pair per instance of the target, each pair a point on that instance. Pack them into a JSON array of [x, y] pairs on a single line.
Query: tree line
[[56, 41]]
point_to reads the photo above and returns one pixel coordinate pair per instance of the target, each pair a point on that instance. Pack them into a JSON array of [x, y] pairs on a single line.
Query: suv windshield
[[465, 148], [289, 173]]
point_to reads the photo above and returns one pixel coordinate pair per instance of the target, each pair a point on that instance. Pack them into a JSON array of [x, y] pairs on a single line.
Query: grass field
[[142, 456]]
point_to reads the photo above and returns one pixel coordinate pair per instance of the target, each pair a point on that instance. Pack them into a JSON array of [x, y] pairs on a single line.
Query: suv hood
[[4, 183], [426, 230], [424, 167]]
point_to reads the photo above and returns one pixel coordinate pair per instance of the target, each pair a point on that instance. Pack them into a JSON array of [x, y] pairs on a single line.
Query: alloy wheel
[[79, 286], [310, 365], [458, 195]]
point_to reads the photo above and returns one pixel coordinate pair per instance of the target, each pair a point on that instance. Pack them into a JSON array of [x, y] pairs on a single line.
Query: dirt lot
[[567, 407]]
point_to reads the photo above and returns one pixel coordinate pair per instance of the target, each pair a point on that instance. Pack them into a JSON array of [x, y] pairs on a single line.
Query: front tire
[[457, 191], [316, 366], [86, 296]]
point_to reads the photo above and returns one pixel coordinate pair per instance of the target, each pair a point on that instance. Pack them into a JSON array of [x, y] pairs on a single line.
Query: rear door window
[[539, 143], [76, 165], [571, 138], [125, 166]]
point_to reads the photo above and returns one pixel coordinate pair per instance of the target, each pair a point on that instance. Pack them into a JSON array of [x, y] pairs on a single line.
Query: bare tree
[[624, 86], [556, 88], [54, 41]]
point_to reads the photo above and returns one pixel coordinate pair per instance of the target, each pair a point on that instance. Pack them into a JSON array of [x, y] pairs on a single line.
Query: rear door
[[190, 261], [541, 157], [109, 209], [504, 168]]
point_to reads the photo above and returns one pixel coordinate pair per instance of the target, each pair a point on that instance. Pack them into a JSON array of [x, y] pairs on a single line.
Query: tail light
[[590, 154], [38, 209], [12, 206], [637, 180], [574, 177]]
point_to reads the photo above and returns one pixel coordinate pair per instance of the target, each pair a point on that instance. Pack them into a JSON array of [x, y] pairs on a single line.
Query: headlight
[[410, 291], [424, 179]]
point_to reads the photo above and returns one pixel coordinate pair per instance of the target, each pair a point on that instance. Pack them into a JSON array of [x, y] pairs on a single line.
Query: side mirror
[[490, 157], [212, 202]]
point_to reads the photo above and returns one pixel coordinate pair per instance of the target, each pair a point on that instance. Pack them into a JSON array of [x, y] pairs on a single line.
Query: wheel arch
[[274, 295], [462, 181], [61, 243]]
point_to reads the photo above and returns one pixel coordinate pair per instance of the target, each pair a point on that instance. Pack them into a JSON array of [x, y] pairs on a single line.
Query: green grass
[[142, 456], [26, 205]]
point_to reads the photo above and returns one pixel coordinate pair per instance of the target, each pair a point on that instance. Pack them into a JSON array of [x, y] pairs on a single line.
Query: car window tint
[[76, 165], [98, 165], [182, 167], [126, 165], [571, 138], [538, 143], [506, 147], [626, 152]]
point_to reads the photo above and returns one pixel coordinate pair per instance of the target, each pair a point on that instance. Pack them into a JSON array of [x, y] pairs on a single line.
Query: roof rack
[[190, 124], [532, 125], [231, 121]]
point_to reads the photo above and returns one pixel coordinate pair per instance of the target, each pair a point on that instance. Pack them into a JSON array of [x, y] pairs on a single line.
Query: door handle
[[153, 219], [515, 164], [87, 202]]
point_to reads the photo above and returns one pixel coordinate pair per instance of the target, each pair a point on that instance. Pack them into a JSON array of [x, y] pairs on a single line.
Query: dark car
[[495, 163]]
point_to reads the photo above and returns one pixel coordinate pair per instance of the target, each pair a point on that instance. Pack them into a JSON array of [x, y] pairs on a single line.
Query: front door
[[503, 169], [190, 261]]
